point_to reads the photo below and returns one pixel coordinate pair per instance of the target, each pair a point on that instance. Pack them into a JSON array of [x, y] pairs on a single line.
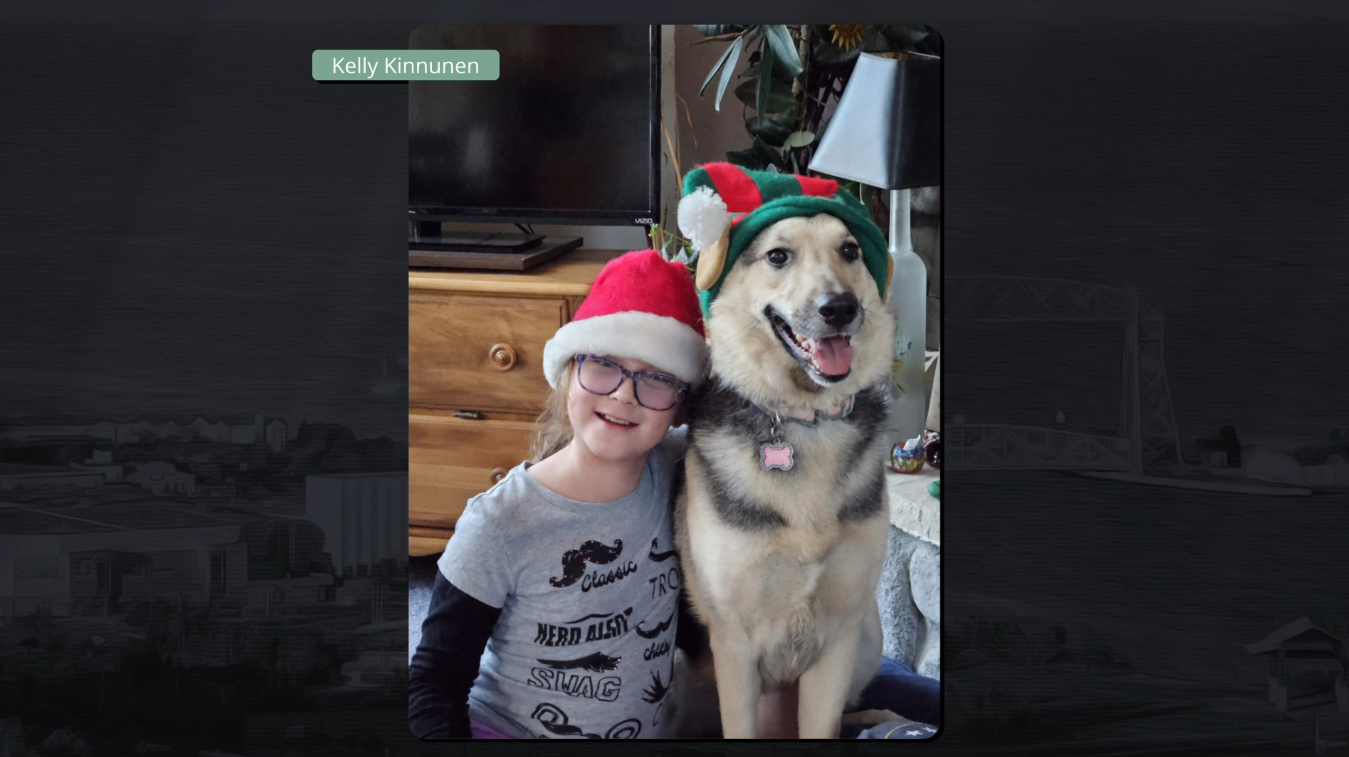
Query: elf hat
[[726, 206], [639, 307]]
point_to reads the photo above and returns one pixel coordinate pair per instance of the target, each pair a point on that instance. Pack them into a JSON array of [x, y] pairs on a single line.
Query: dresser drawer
[[451, 460], [472, 352], [427, 541]]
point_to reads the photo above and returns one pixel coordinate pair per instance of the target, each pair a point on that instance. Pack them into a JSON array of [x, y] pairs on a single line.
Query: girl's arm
[[454, 635]]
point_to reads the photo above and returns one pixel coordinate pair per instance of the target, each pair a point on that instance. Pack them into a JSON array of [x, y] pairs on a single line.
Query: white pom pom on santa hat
[[703, 217]]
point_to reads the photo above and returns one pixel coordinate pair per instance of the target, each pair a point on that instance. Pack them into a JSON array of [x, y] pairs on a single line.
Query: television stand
[[489, 250], [475, 241]]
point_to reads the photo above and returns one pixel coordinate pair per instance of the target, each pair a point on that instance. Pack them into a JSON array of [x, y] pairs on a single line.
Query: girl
[[565, 571]]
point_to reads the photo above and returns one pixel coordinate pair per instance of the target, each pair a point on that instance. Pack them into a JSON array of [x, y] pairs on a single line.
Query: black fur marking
[[676, 486], [738, 512], [690, 632], [866, 502], [870, 409], [718, 407]]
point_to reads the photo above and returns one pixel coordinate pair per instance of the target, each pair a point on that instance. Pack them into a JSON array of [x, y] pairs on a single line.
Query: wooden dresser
[[475, 379]]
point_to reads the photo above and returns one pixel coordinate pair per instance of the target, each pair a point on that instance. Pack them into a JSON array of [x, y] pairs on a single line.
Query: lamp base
[[907, 304]]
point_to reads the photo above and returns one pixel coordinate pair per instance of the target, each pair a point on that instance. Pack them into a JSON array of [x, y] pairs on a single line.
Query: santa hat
[[725, 206], [639, 307]]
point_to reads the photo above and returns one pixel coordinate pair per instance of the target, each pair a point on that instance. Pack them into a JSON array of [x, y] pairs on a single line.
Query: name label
[[405, 65]]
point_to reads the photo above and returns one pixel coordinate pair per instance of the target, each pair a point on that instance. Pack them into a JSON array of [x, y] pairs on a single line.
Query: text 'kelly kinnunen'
[[406, 65]]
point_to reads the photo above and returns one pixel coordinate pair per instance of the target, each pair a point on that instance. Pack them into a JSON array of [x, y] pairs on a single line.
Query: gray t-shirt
[[588, 591]]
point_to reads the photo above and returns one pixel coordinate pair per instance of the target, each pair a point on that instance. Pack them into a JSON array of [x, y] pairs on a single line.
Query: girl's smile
[[615, 427]]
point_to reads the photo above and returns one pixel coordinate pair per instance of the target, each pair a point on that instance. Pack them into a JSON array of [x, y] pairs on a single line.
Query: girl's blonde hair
[[552, 431]]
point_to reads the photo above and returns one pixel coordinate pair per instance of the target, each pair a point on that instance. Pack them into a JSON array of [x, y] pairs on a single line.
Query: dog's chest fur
[[770, 536], [834, 481]]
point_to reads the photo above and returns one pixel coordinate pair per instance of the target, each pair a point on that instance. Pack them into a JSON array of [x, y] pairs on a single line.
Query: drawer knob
[[498, 474], [502, 357]]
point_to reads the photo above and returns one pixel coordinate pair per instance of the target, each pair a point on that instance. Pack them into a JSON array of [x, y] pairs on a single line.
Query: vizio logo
[[643, 219]]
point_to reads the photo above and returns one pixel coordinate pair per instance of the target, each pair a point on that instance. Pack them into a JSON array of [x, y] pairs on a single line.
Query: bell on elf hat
[[642, 307], [725, 206]]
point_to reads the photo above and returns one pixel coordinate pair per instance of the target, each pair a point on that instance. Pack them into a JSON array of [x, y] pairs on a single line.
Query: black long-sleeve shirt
[[454, 635]]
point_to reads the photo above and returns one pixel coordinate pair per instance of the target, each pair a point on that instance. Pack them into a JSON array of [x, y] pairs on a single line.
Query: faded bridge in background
[[1147, 440]]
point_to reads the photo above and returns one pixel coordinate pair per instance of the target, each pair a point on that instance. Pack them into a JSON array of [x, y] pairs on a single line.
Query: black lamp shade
[[886, 131]]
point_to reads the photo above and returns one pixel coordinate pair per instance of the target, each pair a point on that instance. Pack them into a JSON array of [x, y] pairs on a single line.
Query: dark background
[[192, 226]]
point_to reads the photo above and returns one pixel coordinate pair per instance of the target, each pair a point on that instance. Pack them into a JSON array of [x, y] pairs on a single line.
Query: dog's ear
[[711, 261]]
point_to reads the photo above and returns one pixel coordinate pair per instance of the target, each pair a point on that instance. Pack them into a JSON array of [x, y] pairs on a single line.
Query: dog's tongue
[[833, 355]]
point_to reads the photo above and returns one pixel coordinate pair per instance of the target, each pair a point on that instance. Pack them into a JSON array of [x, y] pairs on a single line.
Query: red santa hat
[[642, 307]]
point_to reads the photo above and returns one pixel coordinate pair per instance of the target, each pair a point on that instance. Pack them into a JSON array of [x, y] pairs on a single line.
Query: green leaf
[[826, 53], [904, 36], [780, 99], [765, 81], [770, 130], [780, 40], [745, 91], [746, 159], [734, 55], [720, 63], [769, 155], [799, 139], [714, 30], [875, 41], [757, 158], [718, 38]]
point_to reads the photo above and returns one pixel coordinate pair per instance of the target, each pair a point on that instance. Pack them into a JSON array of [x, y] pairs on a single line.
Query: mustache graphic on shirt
[[553, 718], [574, 561], [597, 662], [657, 631], [593, 615], [660, 556]]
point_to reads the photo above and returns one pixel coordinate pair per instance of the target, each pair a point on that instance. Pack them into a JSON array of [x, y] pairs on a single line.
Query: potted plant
[[794, 74]]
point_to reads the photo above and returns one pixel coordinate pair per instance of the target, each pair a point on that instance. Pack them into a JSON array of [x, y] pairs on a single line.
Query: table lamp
[[886, 132]]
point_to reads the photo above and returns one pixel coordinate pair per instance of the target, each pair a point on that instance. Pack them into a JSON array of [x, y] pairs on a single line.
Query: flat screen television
[[569, 133]]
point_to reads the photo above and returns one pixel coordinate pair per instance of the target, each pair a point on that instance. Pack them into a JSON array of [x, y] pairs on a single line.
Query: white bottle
[[908, 306]]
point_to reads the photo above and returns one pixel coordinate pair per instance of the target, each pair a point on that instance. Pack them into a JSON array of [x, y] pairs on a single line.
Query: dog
[[782, 523]]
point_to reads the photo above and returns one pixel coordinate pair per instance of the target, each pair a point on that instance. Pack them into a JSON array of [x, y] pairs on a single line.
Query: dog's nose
[[838, 309]]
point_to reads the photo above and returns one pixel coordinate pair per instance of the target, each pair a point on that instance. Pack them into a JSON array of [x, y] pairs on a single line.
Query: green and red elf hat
[[725, 206]]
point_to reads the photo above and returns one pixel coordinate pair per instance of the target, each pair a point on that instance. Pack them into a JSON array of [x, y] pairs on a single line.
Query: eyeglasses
[[654, 391]]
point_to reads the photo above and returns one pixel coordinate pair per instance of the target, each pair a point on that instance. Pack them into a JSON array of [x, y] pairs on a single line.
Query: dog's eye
[[849, 251], [777, 257]]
